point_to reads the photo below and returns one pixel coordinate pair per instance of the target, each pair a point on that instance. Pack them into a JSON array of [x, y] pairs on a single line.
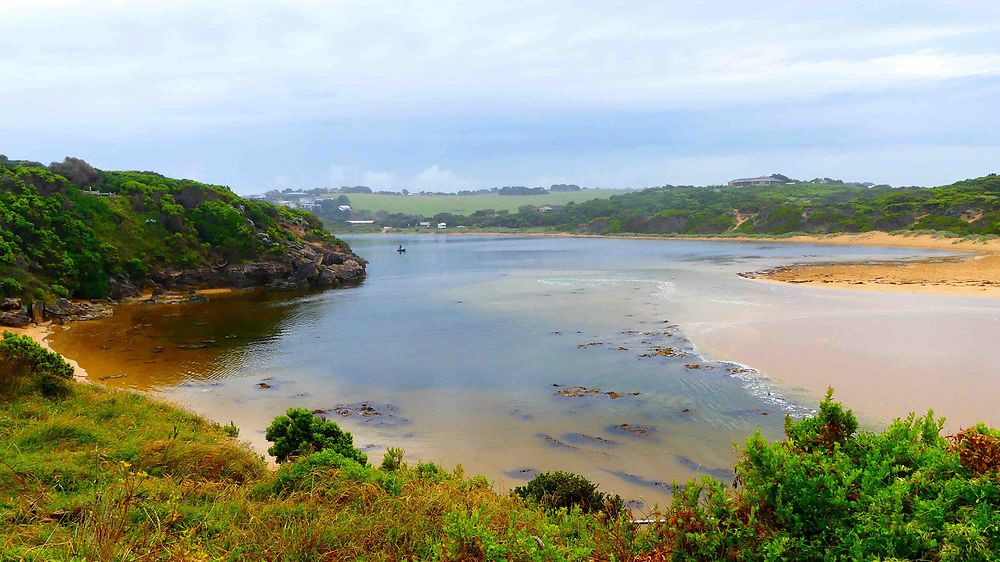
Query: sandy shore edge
[[976, 272], [897, 240], [40, 333]]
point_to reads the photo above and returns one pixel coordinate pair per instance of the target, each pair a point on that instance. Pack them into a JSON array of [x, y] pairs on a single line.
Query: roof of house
[[761, 178]]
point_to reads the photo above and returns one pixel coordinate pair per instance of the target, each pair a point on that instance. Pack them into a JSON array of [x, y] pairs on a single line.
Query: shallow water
[[459, 345]]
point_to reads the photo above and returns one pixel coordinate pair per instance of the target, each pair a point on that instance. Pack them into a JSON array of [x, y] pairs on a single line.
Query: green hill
[[430, 205], [970, 207], [70, 230]]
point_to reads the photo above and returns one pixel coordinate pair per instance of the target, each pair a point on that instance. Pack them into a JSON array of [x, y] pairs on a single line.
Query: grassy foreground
[[92, 473]]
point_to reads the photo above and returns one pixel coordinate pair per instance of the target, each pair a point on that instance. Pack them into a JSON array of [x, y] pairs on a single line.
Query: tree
[[554, 490], [300, 432]]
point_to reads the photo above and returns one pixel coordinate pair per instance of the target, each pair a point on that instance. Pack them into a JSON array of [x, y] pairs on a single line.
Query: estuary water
[[618, 359]]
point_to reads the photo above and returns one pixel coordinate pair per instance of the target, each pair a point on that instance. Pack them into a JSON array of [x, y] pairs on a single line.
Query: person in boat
[[400, 249]]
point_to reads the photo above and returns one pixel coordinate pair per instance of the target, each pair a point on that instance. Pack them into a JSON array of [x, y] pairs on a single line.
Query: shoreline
[[40, 333], [874, 238], [974, 271], [975, 276]]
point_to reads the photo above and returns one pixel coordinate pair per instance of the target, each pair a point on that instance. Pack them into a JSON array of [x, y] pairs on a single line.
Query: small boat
[[401, 250]]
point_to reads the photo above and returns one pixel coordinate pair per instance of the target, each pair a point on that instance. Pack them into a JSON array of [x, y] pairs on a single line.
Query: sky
[[443, 96]]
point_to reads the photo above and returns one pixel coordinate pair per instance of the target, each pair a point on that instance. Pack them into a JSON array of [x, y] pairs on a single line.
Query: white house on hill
[[762, 180]]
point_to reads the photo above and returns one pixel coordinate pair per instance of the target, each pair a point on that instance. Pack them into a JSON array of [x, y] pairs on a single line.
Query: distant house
[[344, 208], [425, 224], [442, 225], [360, 222], [285, 204], [762, 180]]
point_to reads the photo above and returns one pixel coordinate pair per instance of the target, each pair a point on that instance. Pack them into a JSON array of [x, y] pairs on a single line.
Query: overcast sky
[[450, 95]]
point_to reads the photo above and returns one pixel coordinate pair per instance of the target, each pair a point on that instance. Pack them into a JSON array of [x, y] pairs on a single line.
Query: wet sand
[[977, 274], [877, 238], [40, 333], [885, 353], [974, 275]]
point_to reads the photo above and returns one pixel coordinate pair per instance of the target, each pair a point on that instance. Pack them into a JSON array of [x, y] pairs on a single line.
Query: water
[[464, 344]]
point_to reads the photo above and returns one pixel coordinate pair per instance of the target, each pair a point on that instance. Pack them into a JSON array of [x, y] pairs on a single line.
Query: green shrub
[[10, 287], [431, 471], [27, 366], [59, 291], [393, 459], [135, 268], [231, 430], [554, 490], [300, 432], [831, 492]]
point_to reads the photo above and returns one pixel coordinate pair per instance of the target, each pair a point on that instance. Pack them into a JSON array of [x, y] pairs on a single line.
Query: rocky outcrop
[[305, 267], [64, 310], [13, 313]]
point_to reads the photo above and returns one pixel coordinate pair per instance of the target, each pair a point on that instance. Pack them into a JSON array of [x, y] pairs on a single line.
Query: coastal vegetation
[[965, 208], [93, 473], [70, 230]]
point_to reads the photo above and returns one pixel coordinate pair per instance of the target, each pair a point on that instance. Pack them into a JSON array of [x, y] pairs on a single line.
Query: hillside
[[964, 208], [970, 207], [430, 205], [98, 474], [69, 230]]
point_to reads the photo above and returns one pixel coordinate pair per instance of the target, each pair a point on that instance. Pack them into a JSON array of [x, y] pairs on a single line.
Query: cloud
[[378, 180], [436, 179], [341, 175], [503, 92], [190, 63]]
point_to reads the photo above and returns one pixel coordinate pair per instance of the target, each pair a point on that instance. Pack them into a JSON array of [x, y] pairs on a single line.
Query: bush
[[555, 490], [10, 287], [300, 432], [831, 492], [26, 366], [135, 268], [393, 459], [59, 291]]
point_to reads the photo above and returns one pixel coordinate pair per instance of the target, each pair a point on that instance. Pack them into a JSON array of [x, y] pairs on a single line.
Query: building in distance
[[762, 180]]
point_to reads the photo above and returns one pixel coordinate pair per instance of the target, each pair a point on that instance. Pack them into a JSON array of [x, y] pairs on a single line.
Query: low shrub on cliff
[[300, 432], [831, 492], [26, 366], [565, 490]]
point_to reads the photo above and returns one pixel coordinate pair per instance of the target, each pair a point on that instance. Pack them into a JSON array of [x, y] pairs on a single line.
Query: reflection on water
[[151, 347], [507, 355]]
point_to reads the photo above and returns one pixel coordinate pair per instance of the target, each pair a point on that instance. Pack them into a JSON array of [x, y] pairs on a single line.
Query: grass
[[107, 475], [99, 474], [430, 205]]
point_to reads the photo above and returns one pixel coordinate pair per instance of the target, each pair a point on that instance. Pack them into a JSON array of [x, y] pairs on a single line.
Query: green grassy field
[[430, 205]]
